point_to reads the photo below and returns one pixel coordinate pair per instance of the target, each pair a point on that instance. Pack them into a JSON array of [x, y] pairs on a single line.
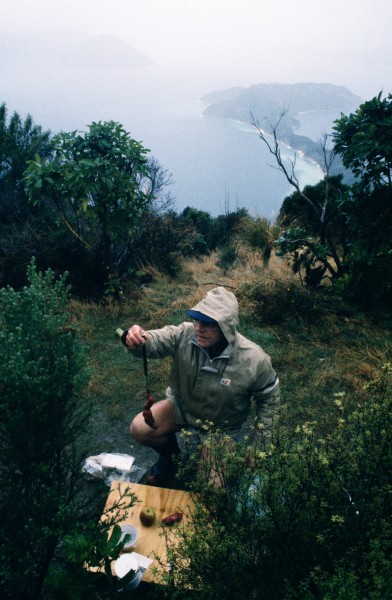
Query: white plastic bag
[[112, 467]]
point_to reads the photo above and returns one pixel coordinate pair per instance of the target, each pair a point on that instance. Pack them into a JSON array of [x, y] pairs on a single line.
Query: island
[[264, 103]]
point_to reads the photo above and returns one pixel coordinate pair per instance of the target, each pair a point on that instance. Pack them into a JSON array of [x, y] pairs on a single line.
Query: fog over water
[[55, 65]]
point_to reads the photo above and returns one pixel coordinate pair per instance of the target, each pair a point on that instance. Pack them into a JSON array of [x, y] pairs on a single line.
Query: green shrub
[[228, 255], [83, 568], [43, 415], [307, 517], [369, 281], [260, 233]]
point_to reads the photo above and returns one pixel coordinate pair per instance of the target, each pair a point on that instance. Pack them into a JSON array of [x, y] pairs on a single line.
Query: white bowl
[[129, 529]]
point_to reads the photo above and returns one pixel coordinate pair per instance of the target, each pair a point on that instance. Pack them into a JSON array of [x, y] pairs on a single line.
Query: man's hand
[[136, 337]]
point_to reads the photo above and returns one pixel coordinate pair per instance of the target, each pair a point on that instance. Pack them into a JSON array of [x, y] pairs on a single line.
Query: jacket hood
[[222, 306]]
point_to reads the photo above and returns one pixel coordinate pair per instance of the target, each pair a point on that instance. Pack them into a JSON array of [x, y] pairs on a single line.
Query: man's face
[[207, 334]]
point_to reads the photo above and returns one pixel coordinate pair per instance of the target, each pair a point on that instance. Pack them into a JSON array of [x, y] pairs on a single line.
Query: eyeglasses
[[204, 325]]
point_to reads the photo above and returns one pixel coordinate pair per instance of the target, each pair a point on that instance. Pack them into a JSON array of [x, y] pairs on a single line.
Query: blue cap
[[195, 314]]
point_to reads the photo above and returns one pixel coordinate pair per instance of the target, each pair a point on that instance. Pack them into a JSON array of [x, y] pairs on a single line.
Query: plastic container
[[129, 529]]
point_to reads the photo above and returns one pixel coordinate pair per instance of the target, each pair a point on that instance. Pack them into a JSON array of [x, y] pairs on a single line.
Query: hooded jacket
[[218, 390]]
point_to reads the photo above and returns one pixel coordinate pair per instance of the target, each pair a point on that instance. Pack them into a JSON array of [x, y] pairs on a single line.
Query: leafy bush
[[228, 255], [363, 139], [22, 230], [205, 225], [163, 240], [260, 233], [295, 212], [308, 516], [43, 415], [369, 279], [84, 565]]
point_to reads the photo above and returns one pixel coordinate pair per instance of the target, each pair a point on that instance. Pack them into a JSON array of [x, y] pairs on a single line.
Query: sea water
[[216, 165], [219, 165]]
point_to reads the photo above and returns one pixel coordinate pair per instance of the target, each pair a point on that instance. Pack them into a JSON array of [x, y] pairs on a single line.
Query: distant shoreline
[[302, 104], [301, 153]]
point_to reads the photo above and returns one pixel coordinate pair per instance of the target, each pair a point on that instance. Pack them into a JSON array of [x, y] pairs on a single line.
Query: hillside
[[316, 342], [265, 102], [319, 492]]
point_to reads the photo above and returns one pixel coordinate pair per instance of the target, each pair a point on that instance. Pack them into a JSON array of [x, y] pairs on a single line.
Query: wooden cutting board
[[164, 501]]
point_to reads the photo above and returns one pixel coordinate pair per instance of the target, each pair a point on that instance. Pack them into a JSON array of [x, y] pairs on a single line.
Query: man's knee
[[143, 434], [136, 429], [164, 419]]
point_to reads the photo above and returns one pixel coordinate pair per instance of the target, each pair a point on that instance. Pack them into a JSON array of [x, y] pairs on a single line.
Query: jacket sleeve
[[161, 342], [266, 396]]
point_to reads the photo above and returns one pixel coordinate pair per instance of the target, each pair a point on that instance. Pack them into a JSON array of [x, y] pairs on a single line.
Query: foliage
[[93, 204], [97, 182], [364, 141], [228, 225], [165, 239], [305, 254], [369, 227], [20, 141], [216, 232], [295, 212], [259, 233], [43, 416], [315, 231], [205, 225], [90, 549], [21, 227], [337, 231], [330, 261], [307, 516], [227, 256]]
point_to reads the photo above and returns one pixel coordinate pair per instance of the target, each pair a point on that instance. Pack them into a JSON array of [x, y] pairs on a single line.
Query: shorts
[[178, 414]]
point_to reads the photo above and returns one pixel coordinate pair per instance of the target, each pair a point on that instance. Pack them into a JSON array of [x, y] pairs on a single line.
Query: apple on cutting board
[[147, 516]]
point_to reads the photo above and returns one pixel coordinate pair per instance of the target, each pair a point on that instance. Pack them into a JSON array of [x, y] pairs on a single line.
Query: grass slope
[[319, 346]]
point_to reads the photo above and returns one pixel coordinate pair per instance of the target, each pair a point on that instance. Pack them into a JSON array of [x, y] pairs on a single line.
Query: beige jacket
[[217, 390]]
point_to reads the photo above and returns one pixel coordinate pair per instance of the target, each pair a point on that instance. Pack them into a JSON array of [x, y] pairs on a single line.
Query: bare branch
[[328, 159], [271, 140], [274, 149]]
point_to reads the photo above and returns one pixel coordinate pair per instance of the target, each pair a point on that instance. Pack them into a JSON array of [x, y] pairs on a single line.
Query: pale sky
[[347, 42]]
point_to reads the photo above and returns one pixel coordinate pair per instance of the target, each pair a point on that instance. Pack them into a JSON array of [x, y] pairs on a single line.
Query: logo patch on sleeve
[[225, 382]]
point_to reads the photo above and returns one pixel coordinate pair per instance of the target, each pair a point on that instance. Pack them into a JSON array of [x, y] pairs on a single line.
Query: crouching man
[[215, 373]]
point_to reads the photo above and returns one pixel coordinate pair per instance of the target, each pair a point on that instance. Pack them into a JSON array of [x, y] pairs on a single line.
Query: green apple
[[147, 516]]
